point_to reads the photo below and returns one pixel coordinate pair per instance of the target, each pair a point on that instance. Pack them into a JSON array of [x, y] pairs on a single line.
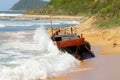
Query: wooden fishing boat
[[75, 45]]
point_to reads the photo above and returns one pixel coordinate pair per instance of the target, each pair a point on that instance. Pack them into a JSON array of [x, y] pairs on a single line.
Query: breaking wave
[[33, 60], [1, 25]]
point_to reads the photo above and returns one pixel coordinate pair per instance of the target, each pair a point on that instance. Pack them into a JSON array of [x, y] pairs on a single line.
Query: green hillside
[[66, 7], [108, 11], [27, 4], [109, 15]]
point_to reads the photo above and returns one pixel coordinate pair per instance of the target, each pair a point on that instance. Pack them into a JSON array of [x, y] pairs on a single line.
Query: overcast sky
[[7, 4]]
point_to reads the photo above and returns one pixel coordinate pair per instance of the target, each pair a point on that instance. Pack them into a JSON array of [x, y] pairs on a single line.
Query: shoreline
[[38, 17], [107, 39]]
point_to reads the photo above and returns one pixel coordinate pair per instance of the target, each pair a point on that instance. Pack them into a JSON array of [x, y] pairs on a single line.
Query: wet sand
[[102, 67], [106, 68]]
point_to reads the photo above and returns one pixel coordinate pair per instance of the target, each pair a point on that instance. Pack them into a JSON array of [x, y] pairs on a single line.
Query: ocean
[[12, 13], [28, 53]]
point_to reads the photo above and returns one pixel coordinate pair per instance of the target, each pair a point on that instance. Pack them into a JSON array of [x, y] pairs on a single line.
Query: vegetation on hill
[[109, 15], [27, 4], [108, 11], [63, 7]]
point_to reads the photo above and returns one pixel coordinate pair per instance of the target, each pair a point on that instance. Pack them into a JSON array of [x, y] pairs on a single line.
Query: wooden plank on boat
[[71, 42]]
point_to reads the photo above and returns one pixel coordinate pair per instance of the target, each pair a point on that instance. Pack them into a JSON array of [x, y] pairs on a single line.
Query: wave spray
[[34, 60]]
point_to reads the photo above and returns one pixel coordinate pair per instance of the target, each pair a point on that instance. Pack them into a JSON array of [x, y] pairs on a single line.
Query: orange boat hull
[[71, 42]]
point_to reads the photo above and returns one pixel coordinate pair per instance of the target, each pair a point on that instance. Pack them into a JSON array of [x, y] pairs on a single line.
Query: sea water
[[32, 60], [31, 55], [11, 25], [12, 12]]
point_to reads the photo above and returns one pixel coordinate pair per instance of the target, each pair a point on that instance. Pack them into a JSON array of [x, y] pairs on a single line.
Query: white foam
[[72, 22], [48, 44], [5, 14], [55, 23], [20, 24], [1, 25], [24, 23], [39, 59]]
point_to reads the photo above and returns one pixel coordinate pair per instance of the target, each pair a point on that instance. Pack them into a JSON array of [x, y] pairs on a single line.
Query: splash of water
[[45, 41], [1, 25], [35, 60]]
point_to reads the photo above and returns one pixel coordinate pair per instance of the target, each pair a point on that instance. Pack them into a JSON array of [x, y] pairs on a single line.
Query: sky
[[7, 4]]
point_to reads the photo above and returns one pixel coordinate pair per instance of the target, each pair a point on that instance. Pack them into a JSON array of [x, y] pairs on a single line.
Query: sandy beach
[[106, 46]]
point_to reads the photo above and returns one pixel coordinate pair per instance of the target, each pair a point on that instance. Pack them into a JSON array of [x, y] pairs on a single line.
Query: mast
[[51, 25]]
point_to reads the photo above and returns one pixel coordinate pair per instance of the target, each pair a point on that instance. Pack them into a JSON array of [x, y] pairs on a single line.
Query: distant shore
[[38, 17]]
